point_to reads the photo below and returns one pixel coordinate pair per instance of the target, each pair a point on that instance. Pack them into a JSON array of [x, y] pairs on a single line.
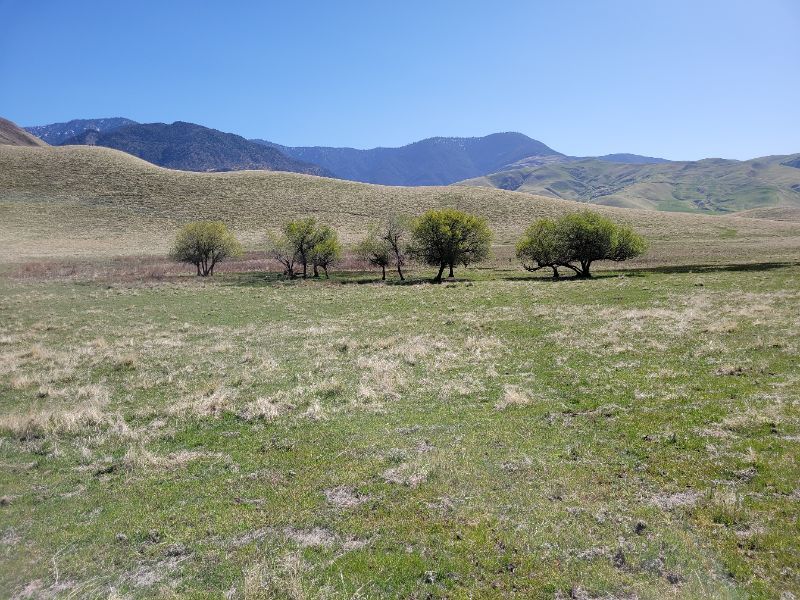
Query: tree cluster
[[302, 243], [441, 238]]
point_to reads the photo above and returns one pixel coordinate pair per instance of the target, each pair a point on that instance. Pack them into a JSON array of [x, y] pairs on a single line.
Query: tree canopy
[[204, 244], [375, 251], [575, 241], [449, 237], [301, 242], [325, 249]]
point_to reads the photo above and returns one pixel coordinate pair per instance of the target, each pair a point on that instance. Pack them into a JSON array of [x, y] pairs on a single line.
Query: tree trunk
[[400, 272], [197, 264], [325, 268], [438, 278], [450, 274], [555, 273], [316, 272], [383, 272]]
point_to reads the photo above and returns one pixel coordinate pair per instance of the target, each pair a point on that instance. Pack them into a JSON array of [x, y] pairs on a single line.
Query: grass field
[[502, 435], [633, 436]]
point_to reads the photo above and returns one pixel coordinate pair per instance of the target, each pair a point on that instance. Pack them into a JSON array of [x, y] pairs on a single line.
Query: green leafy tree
[[326, 249], [449, 237], [204, 244], [301, 235], [281, 249], [292, 245], [543, 246], [576, 241], [375, 251]]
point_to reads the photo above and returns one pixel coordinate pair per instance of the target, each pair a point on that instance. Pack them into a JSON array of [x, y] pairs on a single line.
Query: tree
[[576, 241], [375, 250], [448, 237], [326, 249], [542, 246], [301, 237], [292, 245], [302, 242], [394, 235], [204, 244], [281, 249]]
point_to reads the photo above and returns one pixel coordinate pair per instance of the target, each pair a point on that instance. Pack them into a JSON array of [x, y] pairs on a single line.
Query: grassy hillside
[[711, 185], [12, 135], [88, 201]]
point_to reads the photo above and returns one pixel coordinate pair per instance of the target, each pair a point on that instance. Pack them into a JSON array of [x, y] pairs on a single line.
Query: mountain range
[[190, 147], [433, 161], [508, 161]]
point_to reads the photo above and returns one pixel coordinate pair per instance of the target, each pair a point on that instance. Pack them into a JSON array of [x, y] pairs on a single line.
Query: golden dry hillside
[[97, 202], [13, 135]]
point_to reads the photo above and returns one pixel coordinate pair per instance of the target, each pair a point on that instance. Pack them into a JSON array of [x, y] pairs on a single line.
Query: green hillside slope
[[710, 185]]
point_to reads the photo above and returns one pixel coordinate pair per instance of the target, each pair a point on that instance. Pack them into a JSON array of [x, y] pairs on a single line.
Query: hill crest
[[13, 135]]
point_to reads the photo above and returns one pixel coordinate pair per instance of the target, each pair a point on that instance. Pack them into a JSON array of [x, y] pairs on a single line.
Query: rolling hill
[[13, 135], [73, 201], [58, 133], [710, 185], [191, 147], [433, 161]]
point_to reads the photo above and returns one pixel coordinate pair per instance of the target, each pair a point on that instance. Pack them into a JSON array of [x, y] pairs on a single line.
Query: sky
[[679, 79]]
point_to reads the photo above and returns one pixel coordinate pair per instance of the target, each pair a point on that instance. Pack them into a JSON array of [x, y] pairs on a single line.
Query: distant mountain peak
[[57, 133], [431, 161]]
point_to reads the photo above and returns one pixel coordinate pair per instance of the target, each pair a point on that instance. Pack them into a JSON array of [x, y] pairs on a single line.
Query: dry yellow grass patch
[[380, 378], [209, 403], [137, 457], [89, 413], [512, 396], [266, 408]]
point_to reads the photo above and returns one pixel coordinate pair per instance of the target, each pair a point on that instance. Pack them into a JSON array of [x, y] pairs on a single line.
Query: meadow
[[502, 435]]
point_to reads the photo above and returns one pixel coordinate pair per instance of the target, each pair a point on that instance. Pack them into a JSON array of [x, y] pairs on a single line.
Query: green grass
[[499, 436]]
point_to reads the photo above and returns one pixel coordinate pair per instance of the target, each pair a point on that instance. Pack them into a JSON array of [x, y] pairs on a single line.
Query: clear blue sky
[[680, 79]]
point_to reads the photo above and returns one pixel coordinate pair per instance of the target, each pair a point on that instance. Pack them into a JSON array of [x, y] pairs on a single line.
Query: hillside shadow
[[665, 270], [257, 279], [563, 279], [267, 279], [718, 268]]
